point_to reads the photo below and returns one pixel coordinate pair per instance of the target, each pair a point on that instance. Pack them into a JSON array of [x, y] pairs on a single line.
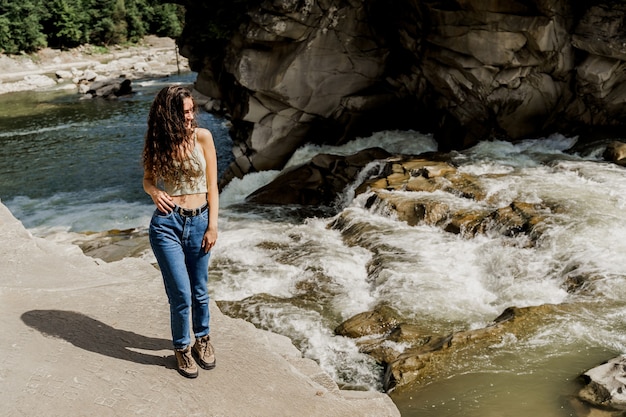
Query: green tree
[[167, 20], [64, 23], [136, 23], [106, 22], [20, 27]]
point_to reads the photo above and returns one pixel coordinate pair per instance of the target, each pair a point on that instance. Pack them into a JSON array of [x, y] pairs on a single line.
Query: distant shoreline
[[34, 71]]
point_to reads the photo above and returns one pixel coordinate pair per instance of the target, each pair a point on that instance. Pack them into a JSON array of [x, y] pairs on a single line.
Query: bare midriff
[[190, 201]]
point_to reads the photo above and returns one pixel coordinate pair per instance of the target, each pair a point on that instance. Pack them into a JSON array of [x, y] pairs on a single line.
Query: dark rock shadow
[[93, 335]]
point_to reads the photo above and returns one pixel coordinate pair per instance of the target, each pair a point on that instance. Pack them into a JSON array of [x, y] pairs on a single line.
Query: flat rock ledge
[[81, 336]]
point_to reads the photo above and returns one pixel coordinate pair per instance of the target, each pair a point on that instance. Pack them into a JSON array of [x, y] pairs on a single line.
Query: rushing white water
[[442, 281], [285, 269]]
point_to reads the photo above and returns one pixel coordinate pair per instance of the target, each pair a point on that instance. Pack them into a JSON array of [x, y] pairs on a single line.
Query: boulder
[[424, 174], [412, 356], [38, 81], [110, 88], [318, 182], [64, 74], [605, 385], [615, 152]]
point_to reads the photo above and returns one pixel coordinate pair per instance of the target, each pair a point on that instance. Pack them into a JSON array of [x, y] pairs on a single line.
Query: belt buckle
[[190, 212]]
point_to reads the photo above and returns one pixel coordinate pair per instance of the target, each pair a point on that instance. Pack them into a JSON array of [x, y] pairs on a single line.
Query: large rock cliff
[[326, 71]]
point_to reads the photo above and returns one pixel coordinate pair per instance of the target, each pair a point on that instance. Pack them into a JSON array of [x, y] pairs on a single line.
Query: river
[[69, 167]]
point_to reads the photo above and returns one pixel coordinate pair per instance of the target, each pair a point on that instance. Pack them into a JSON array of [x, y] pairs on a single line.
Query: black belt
[[191, 212]]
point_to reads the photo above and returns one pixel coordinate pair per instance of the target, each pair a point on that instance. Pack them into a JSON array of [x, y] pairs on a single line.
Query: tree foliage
[[29, 25], [20, 27]]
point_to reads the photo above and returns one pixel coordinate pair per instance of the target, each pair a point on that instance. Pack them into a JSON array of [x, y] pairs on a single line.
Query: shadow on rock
[[93, 335]]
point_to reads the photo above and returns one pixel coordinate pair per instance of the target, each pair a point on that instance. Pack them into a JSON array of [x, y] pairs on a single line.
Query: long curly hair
[[167, 135]]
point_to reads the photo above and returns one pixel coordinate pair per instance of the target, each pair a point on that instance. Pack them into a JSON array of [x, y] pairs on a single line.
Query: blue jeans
[[176, 242]]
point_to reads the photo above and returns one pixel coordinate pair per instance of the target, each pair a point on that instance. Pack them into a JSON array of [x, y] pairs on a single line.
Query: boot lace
[[184, 358], [205, 349]]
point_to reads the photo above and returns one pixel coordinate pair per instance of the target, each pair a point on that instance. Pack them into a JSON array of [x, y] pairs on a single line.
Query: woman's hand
[[162, 200], [209, 239]]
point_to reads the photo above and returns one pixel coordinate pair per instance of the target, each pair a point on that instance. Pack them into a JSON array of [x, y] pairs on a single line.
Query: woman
[[180, 175]]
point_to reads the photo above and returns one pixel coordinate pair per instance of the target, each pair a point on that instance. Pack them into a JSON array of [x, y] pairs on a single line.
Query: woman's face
[[188, 109]]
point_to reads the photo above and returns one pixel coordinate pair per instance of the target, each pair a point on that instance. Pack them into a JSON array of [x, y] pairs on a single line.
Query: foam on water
[[521, 154], [239, 188], [426, 272], [276, 258], [241, 267], [398, 142], [95, 211], [33, 132]]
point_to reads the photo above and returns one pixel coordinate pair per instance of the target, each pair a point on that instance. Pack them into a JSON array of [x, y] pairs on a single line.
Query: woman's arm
[[205, 139], [161, 199]]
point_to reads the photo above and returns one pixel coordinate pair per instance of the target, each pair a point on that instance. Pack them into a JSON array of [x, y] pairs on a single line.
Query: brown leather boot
[[204, 353], [185, 364]]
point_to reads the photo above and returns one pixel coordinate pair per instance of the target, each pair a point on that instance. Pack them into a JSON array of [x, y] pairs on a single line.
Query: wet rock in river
[[325, 177], [516, 219], [606, 384], [379, 321], [318, 182], [615, 152], [110, 88], [411, 355]]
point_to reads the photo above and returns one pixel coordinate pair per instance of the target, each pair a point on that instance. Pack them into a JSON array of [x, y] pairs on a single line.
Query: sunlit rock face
[[322, 71]]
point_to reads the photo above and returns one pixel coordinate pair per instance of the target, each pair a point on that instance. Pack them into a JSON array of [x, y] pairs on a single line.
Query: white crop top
[[182, 187]]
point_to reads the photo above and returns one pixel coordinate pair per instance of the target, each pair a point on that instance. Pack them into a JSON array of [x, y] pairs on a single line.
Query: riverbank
[[86, 337], [153, 57]]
